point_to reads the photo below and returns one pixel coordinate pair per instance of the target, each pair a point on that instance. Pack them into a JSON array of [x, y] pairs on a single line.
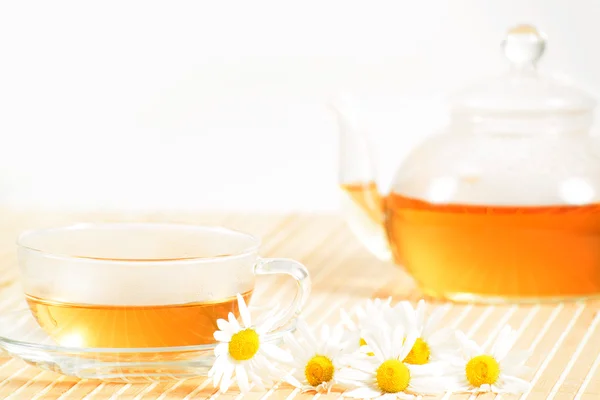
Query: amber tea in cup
[[142, 285]]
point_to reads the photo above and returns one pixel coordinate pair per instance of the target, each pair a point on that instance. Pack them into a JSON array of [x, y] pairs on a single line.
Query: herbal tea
[[143, 285], [87, 325], [505, 251]]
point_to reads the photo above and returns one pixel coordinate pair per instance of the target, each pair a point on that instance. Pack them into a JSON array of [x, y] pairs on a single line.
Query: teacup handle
[[270, 266]]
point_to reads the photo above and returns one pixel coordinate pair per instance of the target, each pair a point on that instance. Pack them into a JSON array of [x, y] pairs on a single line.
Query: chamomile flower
[[372, 312], [432, 344], [372, 308], [243, 354], [317, 360], [385, 375], [495, 371]]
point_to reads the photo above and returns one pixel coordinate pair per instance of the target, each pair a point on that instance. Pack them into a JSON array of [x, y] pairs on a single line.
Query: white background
[[223, 105]]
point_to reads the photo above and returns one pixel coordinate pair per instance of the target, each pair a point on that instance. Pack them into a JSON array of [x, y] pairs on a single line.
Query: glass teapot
[[503, 205]]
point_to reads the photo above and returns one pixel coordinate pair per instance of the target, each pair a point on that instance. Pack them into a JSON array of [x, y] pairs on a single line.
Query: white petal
[[362, 361], [293, 381], [363, 393], [331, 350], [235, 325], [455, 364], [397, 340], [337, 333], [505, 334], [242, 378], [221, 349], [226, 379], [408, 344], [486, 388], [265, 368], [420, 314], [299, 352], [216, 379], [323, 339], [439, 367], [216, 372], [225, 326], [353, 375], [324, 332], [408, 313], [271, 314], [429, 385], [359, 312], [517, 370], [221, 336], [294, 344], [256, 380], [213, 369], [373, 343], [444, 336], [324, 387], [504, 342], [434, 320], [335, 345], [266, 325], [297, 373], [385, 343], [276, 353], [511, 384], [469, 348], [346, 320], [244, 312], [306, 333], [351, 343], [426, 370], [369, 366], [515, 359], [455, 383]]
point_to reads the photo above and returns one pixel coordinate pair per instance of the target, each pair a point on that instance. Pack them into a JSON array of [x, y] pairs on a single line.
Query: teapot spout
[[361, 202]]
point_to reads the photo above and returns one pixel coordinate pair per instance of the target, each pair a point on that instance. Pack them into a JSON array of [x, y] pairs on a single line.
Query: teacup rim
[[256, 243]]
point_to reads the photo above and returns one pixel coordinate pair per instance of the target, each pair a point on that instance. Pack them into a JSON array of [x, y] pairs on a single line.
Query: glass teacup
[[135, 285]]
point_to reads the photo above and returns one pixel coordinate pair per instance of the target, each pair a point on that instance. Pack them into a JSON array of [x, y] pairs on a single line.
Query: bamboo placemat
[[564, 338]]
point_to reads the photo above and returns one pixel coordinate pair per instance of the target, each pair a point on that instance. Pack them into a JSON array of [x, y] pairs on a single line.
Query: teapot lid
[[522, 89]]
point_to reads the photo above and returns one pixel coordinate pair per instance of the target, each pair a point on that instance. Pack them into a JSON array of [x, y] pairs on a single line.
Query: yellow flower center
[[244, 345], [482, 370], [393, 376], [419, 354], [318, 369]]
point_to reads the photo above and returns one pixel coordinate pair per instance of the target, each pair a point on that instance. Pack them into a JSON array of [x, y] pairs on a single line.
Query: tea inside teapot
[[504, 204]]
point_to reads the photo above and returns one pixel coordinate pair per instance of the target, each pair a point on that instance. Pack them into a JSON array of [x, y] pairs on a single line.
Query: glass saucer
[[22, 337]]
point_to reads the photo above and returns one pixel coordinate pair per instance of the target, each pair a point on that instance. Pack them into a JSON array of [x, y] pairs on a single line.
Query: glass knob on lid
[[523, 93], [523, 46]]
